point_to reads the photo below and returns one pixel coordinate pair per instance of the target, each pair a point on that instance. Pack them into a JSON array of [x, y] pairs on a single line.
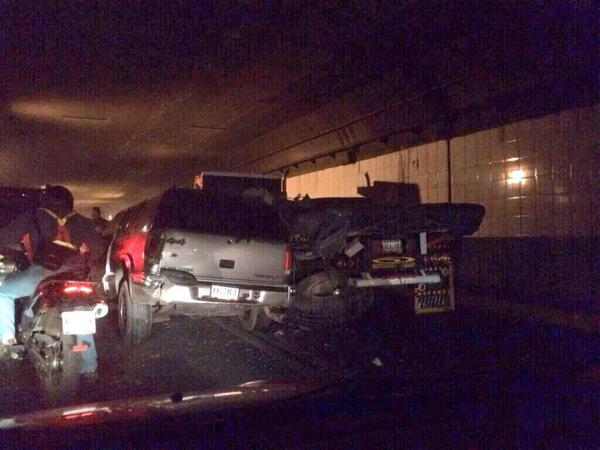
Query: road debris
[[377, 362]]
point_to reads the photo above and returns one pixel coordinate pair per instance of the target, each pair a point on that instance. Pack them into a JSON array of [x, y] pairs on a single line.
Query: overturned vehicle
[[349, 251]]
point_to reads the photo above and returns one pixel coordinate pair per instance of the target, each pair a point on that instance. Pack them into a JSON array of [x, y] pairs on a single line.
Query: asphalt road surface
[[198, 353]]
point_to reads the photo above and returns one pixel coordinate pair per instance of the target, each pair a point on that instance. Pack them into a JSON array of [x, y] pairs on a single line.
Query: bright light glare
[[516, 176], [227, 394]]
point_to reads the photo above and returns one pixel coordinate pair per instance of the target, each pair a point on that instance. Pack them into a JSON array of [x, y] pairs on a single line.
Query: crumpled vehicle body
[[347, 249], [323, 225]]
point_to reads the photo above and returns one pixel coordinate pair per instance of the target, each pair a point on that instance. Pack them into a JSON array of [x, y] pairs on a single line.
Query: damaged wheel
[[326, 299]]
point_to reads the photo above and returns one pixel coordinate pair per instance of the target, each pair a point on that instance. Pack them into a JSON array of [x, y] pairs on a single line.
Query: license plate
[[392, 246], [224, 292], [78, 322]]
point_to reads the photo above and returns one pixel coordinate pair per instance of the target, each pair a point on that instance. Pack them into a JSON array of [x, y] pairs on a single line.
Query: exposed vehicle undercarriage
[[346, 249]]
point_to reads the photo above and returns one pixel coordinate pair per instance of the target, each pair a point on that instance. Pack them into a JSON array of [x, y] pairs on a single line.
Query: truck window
[[144, 217], [222, 215]]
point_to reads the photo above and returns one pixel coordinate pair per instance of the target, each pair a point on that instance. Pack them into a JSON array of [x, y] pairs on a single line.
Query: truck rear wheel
[[325, 299], [135, 320]]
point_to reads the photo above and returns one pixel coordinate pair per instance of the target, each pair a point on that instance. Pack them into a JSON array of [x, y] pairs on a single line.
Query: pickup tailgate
[[209, 256]]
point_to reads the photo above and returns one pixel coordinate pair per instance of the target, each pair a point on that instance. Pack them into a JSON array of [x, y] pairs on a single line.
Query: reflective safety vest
[[63, 236], [53, 254]]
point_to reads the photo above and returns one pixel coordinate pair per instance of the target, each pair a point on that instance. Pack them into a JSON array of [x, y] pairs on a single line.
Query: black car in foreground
[[481, 410]]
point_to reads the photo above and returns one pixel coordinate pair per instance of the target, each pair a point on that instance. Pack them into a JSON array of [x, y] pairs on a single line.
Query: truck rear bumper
[[197, 295], [401, 280]]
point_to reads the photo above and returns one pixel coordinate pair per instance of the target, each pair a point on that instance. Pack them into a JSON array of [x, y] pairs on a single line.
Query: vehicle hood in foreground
[[251, 393]]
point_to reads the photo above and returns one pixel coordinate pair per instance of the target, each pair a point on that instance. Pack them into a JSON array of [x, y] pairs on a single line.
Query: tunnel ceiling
[[118, 103]]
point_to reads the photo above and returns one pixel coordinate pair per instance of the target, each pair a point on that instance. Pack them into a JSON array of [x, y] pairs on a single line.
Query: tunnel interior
[[488, 103]]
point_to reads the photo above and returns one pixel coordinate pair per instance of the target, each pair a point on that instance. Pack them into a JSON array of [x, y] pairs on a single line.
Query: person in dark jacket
[[54, 221], [100, 223]]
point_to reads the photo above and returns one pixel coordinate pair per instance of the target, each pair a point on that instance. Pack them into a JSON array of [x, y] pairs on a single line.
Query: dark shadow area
[[562, 272]]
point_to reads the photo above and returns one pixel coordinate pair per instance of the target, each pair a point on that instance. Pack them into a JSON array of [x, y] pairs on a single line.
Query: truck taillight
[[154, 244], [437, 241], [287, 260], [154, 247]]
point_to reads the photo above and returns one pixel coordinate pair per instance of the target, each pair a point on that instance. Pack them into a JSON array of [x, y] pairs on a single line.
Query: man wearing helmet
[[54, 224]]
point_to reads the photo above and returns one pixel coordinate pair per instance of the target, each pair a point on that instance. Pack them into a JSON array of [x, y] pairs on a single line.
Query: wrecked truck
[[235, 245], [348, 251]]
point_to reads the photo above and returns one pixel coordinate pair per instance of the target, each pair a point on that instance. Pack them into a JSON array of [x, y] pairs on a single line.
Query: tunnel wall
[[537, 178]]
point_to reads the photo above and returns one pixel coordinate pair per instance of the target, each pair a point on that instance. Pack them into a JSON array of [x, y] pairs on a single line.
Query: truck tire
[[317, 305], [255, 319], [135, 320]]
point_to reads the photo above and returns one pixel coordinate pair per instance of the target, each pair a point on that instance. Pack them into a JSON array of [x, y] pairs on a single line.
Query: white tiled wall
[[537, 177], [425, 165]]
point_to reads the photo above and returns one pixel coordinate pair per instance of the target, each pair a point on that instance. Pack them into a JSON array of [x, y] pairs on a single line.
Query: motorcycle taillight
[[78, 288]]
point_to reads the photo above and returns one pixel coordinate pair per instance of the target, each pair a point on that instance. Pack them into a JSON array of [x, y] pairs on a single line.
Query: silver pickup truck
[[194, 252]]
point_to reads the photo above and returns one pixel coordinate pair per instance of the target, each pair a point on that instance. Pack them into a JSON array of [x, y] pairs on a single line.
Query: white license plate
[[78, 322], [224, 292], [392, 246]]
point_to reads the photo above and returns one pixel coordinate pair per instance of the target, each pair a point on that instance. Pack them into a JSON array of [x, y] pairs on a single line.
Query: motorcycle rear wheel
[[63, 380]]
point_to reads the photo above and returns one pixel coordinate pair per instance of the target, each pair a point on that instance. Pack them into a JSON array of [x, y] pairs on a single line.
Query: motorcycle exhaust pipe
[[100, 310]]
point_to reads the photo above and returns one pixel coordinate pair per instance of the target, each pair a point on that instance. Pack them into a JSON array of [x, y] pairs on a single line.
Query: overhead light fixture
[[206, 127], [352, 155], [90, 118]]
